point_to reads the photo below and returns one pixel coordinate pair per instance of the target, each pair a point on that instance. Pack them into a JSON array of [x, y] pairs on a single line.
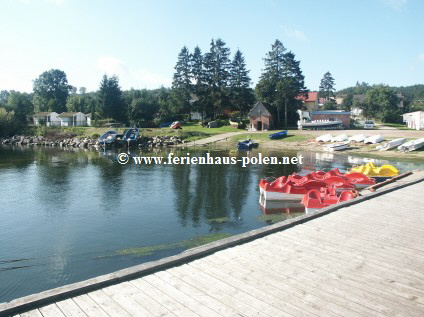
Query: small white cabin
[[49, 119], [73, 119], [414, 120]]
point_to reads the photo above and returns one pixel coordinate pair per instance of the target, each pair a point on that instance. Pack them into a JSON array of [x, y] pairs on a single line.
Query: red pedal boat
[[358, 179], [317, 199]]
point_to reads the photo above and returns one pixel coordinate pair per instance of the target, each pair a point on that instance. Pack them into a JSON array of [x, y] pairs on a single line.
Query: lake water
[[69, 215]]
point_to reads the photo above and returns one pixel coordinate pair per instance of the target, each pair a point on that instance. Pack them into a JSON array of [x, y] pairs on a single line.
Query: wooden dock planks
[[362, 260]]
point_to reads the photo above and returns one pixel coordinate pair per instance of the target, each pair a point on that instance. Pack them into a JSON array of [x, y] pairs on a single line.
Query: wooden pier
[[364, 259]]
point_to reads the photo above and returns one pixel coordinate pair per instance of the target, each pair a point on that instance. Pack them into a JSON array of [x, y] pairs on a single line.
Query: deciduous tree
[[51, 90]]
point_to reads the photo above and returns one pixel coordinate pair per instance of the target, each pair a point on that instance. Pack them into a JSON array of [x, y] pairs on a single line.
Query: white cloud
[[130, 77], [296, 34], [151, 80], [110, 65], [421, 57], [394, 4]]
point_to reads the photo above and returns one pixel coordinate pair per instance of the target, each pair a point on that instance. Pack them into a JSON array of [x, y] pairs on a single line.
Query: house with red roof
[[311, 102]]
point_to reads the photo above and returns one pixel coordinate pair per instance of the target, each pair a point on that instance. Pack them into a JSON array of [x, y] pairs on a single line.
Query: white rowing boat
[[374, 139], [412, 145], [357, 138], [324, 138], [336, 146], [391, 144]]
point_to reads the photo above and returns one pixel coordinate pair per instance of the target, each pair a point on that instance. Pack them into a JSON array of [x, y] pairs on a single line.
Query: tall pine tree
[[199, 81], [181, 84], [326, 87], [291, 85], [241, 94], [281, 81], [266, 88], [110, 103], [217, 65]]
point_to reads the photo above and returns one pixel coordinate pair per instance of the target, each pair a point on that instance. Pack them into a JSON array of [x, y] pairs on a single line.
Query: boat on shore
[[374, 139], [324, 138], [357, 138], [131, 136], [176, 125], [246, 145], [336, 147], [391, 144], [412, 145], [278, 135], [340, 138], [320, 125], [108, 138]]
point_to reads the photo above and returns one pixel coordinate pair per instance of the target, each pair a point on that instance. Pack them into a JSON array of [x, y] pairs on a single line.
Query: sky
[[373, 41]]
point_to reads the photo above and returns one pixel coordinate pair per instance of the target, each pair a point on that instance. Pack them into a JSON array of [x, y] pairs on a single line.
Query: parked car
[[369, 124]]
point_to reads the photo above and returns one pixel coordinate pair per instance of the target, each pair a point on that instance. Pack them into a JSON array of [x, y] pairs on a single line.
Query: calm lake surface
[[69, 215]]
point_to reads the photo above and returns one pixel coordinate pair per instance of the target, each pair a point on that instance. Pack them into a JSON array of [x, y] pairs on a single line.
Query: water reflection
[[80, 205]]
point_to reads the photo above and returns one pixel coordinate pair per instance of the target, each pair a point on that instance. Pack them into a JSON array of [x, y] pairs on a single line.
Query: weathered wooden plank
[[89, 306], [188, 301], [136, 302], [107, 304], [349, 308], [330, 274], [70, 309], [342, 289], [31, 313], [206, 298], [358, 248], [51, 311], [238, 298], [163, 298]]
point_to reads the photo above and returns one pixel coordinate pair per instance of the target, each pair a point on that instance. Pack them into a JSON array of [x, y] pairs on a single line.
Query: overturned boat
[[278, 135], [374, 139], [340, 138], [391, 144], [324, 138], [357, 138], [412, 145]]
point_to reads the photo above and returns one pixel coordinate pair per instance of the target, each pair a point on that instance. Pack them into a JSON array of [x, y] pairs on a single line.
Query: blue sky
[[376, 41]]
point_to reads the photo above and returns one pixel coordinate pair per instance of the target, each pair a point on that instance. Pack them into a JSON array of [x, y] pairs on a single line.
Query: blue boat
[[131, 136], [107, 138], [245, 145], [278, 135], [165, 124]]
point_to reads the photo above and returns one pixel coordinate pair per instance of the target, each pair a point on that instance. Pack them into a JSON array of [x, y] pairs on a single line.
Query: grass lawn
[[189, 131], [399, 126]]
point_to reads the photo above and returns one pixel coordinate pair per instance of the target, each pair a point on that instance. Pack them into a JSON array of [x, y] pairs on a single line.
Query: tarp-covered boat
[[278, 135]]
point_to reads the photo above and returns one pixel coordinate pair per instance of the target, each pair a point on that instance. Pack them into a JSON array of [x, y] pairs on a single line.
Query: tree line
[[215, 84]]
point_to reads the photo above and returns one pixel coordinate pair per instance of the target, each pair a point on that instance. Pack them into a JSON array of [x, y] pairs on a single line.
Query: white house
[[49, 119], [414, 120], [72, 119]]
